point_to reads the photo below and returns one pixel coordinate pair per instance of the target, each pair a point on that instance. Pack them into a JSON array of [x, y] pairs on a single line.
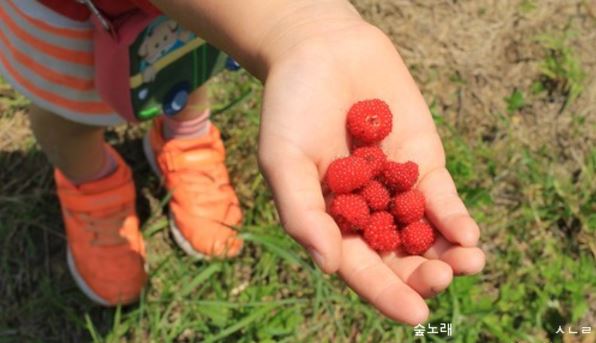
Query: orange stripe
[[47, 73], [83, 34], [87, 107], [85, 58]]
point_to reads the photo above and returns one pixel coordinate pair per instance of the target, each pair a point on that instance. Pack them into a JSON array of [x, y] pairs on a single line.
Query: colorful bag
[[147, 65]]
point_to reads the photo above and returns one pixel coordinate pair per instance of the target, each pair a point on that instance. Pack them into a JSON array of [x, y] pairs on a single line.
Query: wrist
[[301, 28]]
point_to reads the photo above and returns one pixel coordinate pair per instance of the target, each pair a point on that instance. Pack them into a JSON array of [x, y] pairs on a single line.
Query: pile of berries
[[373, 196]]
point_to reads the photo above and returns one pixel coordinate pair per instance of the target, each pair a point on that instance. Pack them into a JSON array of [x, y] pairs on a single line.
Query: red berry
[[376, 195], [417, 238], [350, 212], [400, 176], [347, 174], [344, 226], [381, 233], [408, 207], [369, 121], [375, 157]]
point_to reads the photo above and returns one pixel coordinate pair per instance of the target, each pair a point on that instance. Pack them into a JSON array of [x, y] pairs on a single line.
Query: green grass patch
[[562, 72]]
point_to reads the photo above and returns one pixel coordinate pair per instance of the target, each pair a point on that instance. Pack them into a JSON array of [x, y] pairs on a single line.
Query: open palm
[[303, 129]]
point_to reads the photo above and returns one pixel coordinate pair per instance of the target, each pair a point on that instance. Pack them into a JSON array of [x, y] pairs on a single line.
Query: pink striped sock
[[108, 167], [192, 128]]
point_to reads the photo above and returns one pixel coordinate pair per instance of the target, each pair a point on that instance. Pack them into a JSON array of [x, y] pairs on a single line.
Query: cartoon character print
[[161, 37]]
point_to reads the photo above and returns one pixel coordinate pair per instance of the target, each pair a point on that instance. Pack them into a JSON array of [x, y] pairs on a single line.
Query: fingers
[[364, 271], [463, 260], [294, 180], [427, 277], [445, 209]]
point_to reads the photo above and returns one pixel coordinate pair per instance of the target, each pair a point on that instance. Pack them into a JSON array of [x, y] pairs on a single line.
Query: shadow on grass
[[38, 298]]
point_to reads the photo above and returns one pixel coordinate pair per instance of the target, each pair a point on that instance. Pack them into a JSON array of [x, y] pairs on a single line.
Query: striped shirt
[[49, 58]]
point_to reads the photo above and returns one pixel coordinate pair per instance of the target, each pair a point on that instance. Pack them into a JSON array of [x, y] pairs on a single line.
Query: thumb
[[298, 196]]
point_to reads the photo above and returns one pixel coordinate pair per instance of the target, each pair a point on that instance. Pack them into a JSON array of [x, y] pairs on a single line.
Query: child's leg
[[105, 252], [78, 150], [198, 102], [192, 121], [105, 249]]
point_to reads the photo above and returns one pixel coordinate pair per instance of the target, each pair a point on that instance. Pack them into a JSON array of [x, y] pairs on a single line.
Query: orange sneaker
[[203, 206], [105, 254]]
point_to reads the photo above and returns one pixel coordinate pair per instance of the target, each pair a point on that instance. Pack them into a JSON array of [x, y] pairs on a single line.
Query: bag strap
[[105, 23]]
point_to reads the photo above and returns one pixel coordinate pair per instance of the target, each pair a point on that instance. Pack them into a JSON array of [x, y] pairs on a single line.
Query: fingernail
[[319, 259]]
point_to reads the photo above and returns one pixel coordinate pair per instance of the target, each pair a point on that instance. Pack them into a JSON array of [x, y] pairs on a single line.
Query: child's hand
[[308, 91], [316, 59]]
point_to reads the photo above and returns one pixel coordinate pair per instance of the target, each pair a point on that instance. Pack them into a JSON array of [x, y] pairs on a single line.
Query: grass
[[561, 70], [535, 202]]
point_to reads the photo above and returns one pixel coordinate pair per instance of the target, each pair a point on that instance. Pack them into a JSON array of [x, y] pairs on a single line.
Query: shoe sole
[[81, 283], [178, 237]]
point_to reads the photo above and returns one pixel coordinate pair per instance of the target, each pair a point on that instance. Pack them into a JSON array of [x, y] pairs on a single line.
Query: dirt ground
[[467, 56]]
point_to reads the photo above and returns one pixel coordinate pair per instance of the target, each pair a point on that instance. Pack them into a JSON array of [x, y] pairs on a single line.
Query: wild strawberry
[[376, 195], [350, 212], [417, 238], [400, 176], [369, 121], [375, 157], [408, 207], [347, 174], [381, 233]]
